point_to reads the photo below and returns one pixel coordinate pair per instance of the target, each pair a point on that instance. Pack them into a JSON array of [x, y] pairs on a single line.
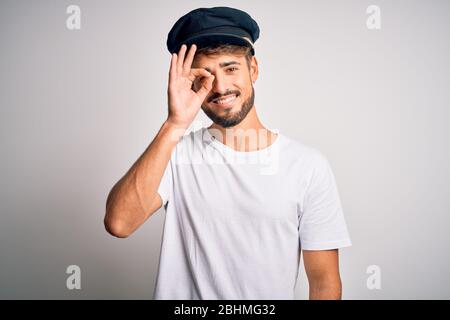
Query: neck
[[249, 135]]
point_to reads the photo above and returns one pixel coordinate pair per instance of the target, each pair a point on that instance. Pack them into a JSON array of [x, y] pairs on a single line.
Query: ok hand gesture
[[184, 102]]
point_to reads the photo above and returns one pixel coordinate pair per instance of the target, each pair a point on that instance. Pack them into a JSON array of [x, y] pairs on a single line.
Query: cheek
[[245, 87], [196, 85], [241, 81]]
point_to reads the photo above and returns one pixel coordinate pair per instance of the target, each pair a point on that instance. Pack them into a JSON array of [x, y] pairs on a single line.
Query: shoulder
[[191, 139], [299, 151], [188, 146]]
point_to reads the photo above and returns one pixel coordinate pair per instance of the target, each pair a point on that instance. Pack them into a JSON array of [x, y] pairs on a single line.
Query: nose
[[219, 84]]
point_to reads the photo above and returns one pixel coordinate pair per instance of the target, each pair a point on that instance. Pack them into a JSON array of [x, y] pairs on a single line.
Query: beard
[[231, 119]]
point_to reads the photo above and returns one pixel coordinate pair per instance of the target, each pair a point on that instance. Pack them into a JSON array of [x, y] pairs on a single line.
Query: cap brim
[[215, 38]]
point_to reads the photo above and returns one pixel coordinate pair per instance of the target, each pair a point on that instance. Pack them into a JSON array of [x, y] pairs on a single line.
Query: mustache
[[218, 95]]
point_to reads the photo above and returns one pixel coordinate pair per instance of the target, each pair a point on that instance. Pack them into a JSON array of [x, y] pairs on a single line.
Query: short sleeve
[[322, 225], [165, 185]]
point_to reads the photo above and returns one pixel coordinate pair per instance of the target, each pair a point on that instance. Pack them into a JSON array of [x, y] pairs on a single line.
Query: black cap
[[213, 26]]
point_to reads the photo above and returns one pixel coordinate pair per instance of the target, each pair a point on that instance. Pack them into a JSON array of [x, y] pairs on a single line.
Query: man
[[240, 208]]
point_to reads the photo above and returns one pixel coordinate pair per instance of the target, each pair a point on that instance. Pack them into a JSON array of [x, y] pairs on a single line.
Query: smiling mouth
[[225, 101]]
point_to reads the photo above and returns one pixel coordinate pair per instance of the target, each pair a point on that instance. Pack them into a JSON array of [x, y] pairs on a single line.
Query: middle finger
[[188, 61]]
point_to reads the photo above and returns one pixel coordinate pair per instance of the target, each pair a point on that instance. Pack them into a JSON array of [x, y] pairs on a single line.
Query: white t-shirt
[[235, 221]]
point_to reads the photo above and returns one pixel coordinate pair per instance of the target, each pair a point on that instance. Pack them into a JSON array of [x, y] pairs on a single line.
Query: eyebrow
[[224, 64]]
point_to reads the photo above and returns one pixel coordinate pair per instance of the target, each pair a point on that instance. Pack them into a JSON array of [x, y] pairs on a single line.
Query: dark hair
[[227, 49]]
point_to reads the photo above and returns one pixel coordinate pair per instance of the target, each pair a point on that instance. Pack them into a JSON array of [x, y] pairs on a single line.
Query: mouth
[[226, 101]]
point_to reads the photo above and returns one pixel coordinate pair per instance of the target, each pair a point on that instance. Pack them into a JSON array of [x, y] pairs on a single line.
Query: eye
[[232, 69]]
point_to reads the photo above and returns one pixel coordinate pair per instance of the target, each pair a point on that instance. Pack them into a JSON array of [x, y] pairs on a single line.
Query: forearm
[[325, 289], [132, 198]]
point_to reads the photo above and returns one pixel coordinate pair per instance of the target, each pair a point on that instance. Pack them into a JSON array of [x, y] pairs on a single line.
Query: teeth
[[225, 100]]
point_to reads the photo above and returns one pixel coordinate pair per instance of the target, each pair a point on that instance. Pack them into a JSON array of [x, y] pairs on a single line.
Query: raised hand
[[184, 102]]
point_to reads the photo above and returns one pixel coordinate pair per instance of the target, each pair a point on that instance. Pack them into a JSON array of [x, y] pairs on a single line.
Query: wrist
[[176, 124], [174, 130]]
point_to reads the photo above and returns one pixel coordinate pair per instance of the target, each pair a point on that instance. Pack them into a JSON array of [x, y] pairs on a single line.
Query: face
[[232, 95]]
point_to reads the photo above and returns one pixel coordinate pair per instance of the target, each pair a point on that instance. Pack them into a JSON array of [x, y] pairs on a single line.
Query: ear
[[254, 69]]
